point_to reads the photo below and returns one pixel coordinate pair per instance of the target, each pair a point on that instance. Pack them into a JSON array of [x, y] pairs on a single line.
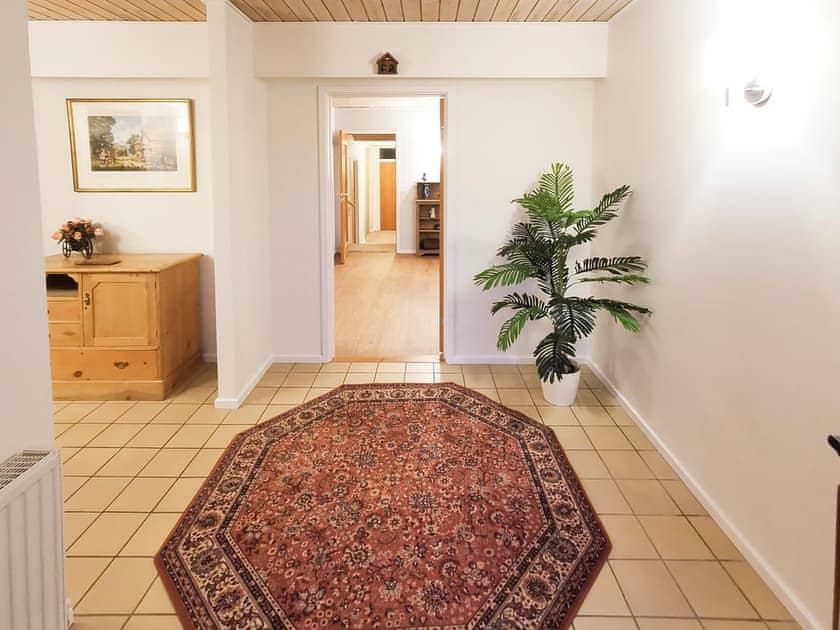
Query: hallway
[[386, 306]]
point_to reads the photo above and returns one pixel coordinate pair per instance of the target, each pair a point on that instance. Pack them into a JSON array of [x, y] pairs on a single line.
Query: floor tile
[[107, 535], [194, 395], [620, 416], [586, 398], [169, 462], [203, 462], [606, 398], [389, 377], [419, 368], [176, 413], [363, 367], [626, 465], [141, 494], [299, 380], [87, 461], [149, 537], [80, 574], [629, 540], [179, 495], [116, 435], [675, 538], [261, 395], [98, 622], [273, 379], [658, 465], [558, 416], [715, 538], [682, 496], [208, 414], [74, 411], [108, 411], [191, 436], [638, 439], [649, 588], [280, 368], [358, 378], [306, 368], [128, 462], [143, 412], [246, 414], [290, 395], [608, 438], [156, 601], [133, 575], [153, 435], [647, 496], [153, 622], [75, 523], [710, 590], [588, 465], [329, 379], [80, 434], [593, 416], [668, 624], [724, 624], [513, 380], [605, 496], [222, 436], [515, 397], [572, 438], [604, 623], [336, 367], [604, 598], [70, 485], [96, 494], [67, 452], [757, 592]]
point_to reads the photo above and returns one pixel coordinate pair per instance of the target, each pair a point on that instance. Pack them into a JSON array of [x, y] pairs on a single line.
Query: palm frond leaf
[[628, 278], [553, 356], [616, 265], [503, 275], [621, 312]]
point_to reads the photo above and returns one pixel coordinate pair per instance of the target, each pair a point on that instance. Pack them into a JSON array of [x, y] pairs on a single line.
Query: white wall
[[26, 419], [432, 50], [417, 125], [134, 222], [536, 121], [240, 205], [118, 49], [736, 208]]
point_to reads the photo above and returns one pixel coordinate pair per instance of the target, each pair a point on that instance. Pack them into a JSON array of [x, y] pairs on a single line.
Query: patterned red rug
[[387, 506]]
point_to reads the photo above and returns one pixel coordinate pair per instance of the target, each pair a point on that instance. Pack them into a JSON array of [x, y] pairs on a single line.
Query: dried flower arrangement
[[77, 235]]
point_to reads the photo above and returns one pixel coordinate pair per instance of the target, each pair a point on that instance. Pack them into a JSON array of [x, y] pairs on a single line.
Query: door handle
[[86, 300], [120, 365]]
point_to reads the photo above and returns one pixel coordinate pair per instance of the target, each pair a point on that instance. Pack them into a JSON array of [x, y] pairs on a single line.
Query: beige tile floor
[[131, 468]]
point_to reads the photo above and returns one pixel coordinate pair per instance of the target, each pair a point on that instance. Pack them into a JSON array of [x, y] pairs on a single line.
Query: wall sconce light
[[757, 94]]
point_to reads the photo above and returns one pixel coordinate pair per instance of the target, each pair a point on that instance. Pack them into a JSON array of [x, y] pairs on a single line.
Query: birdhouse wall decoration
[[387, 64]]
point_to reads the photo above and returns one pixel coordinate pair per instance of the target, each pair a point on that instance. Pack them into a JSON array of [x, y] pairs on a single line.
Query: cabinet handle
[[87, 299], [120, 365], [77, 373]]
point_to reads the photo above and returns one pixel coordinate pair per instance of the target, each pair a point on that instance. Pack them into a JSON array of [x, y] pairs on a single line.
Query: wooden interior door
[[343, 151], [387, 195], [119, 310], [443, 210]]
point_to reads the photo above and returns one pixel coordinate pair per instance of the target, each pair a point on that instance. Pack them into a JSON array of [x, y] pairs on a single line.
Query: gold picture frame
[[132, 144]]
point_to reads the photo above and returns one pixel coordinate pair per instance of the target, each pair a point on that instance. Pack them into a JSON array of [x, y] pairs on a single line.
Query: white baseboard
[[235, 403], [797, 608], [298, 358], [500, 359]]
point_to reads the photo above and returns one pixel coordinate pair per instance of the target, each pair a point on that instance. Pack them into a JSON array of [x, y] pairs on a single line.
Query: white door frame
[[326, 185]]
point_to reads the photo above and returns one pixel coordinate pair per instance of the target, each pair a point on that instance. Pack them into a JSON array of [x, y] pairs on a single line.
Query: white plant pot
[[562, 392]]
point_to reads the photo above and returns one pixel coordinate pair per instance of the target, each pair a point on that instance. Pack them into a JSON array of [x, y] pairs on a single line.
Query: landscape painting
[[132, 145]]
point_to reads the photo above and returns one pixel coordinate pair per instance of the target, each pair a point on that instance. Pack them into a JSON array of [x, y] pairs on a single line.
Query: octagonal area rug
[[387, 506]]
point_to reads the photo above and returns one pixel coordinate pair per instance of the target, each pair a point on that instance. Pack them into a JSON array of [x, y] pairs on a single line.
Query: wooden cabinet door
[[119, 309]]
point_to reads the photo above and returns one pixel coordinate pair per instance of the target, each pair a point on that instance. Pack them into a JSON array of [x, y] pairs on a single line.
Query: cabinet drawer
[[64, 311], [94, 364], [65, 334]]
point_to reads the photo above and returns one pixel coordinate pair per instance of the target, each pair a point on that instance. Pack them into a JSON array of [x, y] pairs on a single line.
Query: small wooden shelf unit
[[125, 331], [429, 219]]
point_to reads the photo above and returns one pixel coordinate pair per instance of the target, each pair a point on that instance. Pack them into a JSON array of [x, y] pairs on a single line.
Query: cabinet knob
[[120, 365], [77, 373], [87, 299]]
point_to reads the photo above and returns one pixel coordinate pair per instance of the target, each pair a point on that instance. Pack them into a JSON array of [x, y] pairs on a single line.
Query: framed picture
[[132, 145]]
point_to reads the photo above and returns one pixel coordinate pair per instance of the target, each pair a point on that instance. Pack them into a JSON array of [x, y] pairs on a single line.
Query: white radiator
[[31, 543]]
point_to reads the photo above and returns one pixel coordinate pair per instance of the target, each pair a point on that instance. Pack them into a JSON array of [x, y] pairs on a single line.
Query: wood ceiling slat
[[356, 10], [484, 10], [579, 8], [411, 10], [430, 10], [319, 11], [374, 9], [301, 9], [247, 9], [594, 12], [449, 10], [337, 10], [503, 10], [614, 9], [393, 10], [560, 8], [466, 10]]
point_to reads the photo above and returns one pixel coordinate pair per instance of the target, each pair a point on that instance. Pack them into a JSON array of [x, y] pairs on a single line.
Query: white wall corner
[[236, 401], [806, 618]]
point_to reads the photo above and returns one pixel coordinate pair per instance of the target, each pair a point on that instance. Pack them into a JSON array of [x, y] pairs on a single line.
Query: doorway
[[387, 281]]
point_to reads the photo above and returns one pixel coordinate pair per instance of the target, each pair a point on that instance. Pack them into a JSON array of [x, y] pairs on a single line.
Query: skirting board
[[804, 616], [235, 403], [501, 359]]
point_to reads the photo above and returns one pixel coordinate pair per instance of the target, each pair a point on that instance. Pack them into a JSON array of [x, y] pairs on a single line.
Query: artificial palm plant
[[540, 249]]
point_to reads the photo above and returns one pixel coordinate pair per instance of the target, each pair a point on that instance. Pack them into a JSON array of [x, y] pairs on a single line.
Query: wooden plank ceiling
[[336, 10]]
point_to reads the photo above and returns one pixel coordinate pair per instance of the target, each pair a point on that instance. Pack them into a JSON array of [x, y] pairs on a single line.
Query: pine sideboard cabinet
[[123, 331]]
